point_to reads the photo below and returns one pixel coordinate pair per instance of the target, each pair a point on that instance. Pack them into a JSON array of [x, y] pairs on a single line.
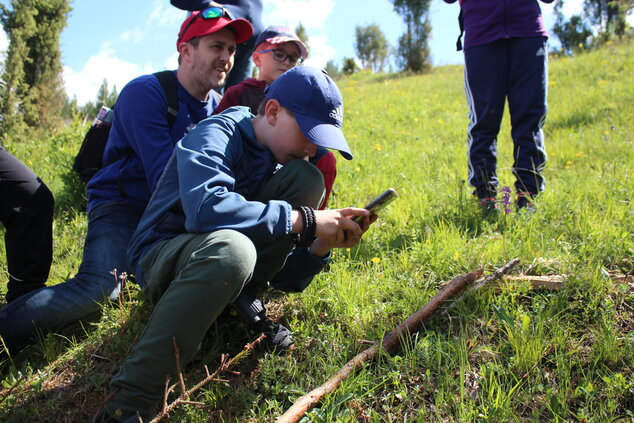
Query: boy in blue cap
[[222, 217], [278, 49]]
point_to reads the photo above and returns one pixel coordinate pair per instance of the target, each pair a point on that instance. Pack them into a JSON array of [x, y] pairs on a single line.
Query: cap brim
[[323, 134], [303, 52], [242, 29]]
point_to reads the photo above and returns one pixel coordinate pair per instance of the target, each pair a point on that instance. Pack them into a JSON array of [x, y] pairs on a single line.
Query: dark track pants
[[26, 211], [515, 69]]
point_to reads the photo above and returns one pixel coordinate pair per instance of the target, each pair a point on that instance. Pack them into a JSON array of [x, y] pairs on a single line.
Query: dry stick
[[177, 355], [497, 274], [224, 367], [390, 341]]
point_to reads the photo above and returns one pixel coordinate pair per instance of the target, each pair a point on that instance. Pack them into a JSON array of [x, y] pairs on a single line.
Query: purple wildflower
[[506, 199]]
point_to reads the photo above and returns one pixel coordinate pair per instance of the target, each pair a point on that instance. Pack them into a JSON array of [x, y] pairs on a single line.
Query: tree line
[[32, 93]]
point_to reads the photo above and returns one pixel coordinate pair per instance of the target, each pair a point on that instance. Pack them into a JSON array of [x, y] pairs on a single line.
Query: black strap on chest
[[461, 24]]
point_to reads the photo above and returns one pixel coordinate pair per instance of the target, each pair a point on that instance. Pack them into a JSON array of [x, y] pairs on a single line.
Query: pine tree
[[34, 95], [303, 35]]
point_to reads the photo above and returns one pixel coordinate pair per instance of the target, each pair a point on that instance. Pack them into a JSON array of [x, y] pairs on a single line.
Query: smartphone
[[378, 203]]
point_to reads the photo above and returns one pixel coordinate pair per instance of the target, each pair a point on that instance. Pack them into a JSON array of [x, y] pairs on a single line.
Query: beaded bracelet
[[307, 236]]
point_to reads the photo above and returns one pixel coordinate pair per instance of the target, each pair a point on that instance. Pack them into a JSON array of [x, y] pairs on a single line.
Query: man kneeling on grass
[[222, 217]]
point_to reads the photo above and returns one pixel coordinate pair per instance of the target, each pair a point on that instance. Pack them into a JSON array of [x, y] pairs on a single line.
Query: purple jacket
[[488, 20]]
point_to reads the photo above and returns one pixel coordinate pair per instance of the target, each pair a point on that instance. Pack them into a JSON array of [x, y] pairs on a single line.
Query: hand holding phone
[[378, 203]]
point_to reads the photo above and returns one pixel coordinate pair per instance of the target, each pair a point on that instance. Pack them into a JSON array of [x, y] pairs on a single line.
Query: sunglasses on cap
[[280, 55], [208, 13]]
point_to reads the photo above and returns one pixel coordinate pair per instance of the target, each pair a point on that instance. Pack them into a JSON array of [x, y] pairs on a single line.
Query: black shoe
[[104, 417], [278, 338], [524, 202], [252, 312], [489, 206]]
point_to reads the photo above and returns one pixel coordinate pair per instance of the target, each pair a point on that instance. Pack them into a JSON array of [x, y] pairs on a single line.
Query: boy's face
[[212, 59], [289, 140], [268, 68]]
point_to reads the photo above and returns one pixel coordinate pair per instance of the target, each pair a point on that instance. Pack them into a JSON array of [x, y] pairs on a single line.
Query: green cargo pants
[[191, 279]]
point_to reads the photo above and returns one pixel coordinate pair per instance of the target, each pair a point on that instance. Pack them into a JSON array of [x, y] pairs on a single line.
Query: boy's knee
[[309, 179], [235, 253]]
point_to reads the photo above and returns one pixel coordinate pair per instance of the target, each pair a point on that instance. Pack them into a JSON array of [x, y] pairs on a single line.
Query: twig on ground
[[497, 274], [224, 366], [390, 342], [17, 382], [551, 282], [177, 356]]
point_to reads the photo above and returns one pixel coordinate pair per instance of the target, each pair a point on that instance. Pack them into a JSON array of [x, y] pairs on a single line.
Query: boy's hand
[[335, 226]]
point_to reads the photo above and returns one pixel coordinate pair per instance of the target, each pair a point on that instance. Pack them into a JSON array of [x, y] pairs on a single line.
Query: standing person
[[250, 10], [506, 57], [222, 217], [26, 211], [139, 145]]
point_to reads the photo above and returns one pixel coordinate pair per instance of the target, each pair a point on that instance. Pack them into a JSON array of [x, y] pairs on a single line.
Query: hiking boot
[[489, 206], [524, 202], [253, 314], [104, 417], [278, 339]]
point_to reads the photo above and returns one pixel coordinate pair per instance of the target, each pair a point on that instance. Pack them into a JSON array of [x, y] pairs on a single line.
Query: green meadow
[[510, 352]]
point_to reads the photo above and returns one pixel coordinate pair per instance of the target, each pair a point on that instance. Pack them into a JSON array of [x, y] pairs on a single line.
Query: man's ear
[[272, 110], [185, 50]]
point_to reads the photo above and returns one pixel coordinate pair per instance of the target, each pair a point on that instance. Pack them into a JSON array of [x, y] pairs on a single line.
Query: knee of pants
[[310, 181], [42, 201], [234, 255]]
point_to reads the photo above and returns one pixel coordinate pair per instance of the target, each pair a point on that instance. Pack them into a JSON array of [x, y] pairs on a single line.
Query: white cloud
[[311, 13], [172, 61], [164, 14], [85, 83], [572, 7], [133, 36], [320, 52]]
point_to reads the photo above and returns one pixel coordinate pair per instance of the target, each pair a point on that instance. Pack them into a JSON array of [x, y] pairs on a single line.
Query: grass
[[509, 354]]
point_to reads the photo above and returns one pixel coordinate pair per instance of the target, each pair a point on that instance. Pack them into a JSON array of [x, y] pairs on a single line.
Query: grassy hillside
[[513, 353]]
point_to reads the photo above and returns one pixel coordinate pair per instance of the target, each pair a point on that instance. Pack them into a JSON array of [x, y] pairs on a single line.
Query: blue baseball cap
[[316, 102]]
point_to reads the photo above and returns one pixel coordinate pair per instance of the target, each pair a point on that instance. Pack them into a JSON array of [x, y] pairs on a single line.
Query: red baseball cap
[[197, 26]]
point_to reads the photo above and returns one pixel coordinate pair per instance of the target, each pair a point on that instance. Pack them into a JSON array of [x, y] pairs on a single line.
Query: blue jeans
[[110, 226]]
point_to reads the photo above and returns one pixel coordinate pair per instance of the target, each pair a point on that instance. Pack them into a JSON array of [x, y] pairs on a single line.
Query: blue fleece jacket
[[141, 135], [210, 183]]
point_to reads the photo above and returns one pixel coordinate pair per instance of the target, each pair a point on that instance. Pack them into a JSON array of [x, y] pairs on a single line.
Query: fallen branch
[[183, 398], [481, 283], [390, 342], [551, 282]]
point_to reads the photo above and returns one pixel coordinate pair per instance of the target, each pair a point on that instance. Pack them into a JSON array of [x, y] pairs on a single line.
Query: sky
[[121, 39]]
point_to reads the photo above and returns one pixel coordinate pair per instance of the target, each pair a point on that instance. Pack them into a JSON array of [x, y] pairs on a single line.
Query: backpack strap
[[461, 24], [168, 82]]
